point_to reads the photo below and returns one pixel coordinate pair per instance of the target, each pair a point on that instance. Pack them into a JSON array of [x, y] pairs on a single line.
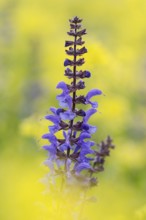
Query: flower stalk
[[75, 155]]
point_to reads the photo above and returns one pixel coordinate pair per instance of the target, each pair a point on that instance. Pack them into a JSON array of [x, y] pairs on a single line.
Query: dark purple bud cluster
[[74, 152], [81, 74]]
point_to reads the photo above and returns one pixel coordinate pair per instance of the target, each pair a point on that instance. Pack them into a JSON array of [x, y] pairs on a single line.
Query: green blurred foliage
[[32, 35]]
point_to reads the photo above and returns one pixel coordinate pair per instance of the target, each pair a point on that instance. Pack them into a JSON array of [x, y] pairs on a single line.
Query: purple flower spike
[[71, 149]]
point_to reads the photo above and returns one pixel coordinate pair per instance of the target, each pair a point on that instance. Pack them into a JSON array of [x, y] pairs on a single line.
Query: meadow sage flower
[[75, 155]]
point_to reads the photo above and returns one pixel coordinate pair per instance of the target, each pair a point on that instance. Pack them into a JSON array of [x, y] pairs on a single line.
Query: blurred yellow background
[[32, 36]]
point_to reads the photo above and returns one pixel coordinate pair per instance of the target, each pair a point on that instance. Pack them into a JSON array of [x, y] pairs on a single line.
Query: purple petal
[[69, 101], [67, 136], [86, 149], [84, 135], [85, 152], [63, 147], [53, 129], [85, 126], [88, 114], [67, 115], [65, 101], [87, 74], [93, 104], [88, 128], [59, 110], [87, 144], [77, 148], [90, 143], [50, 137], [62, 85], [92, 129], [46, 136], [63, 97], [53, 118], [83, 166], [68, 62], [50, 148], [53, 110], [64, 134], [92, 93]]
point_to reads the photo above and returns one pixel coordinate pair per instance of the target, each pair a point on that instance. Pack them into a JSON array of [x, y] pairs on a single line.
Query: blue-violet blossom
[[75, 152]]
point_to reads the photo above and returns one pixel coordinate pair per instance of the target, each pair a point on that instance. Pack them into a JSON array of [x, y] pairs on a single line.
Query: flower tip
[[75, 20], [45, 136], [99, 92], [94, 104]]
